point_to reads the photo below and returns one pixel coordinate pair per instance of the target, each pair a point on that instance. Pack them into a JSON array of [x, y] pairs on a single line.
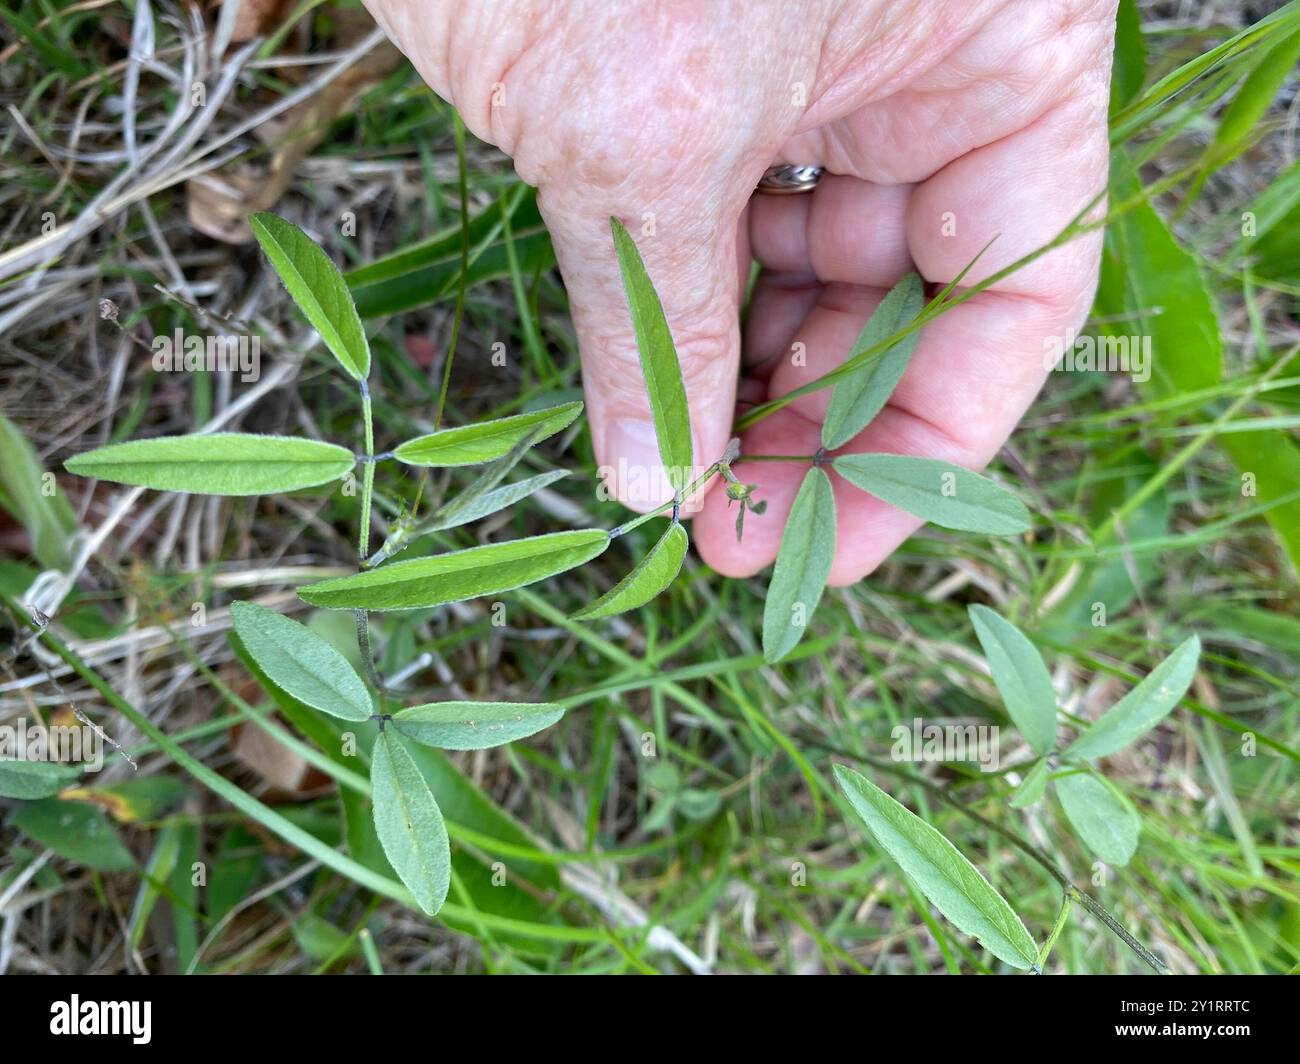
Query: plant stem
[[363, 538], [458, 132], [676, 501], [1056, 931], [367, 472]]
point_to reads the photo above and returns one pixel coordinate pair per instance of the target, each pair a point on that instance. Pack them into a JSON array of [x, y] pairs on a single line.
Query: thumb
[[689, 246]]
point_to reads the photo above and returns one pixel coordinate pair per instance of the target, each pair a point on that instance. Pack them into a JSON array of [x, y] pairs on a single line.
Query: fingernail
[[632, 449]]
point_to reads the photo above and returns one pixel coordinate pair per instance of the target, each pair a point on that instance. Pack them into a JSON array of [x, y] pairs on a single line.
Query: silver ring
[[787, 180]]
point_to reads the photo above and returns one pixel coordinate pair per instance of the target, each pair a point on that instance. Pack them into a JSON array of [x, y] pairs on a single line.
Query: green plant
[[305, 666], [1102, 816]]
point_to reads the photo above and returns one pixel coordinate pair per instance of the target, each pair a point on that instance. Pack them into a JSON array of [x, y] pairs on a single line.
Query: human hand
[[942, 124]]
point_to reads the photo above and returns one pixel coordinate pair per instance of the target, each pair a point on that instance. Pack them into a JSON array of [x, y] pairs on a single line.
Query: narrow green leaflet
[[859, 397], [802, 566], [34, 779], [651, 576], [471, 444], [940, 492], [1031, 787], [301, 663], [460, 574], [38, 505], [663, 373], [1142, 708], [409, 823], [474, 725], [317, 287], [940, 872], [490, 502], [224, 463], [1020, 676], [1104, 819]]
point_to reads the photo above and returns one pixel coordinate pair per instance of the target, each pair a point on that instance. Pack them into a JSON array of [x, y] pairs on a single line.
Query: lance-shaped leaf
[[940, 872], [317, 287], [1031, 787], [471, 444], [651, 576], [409, 824], [659, 365], [34, 779], [1020, 676], [301, 663], [460, 574], [859, 396], [492, 501], [224, 463], [1142, 708], [1104, 819], [940, 492], [474, 725], [802, 566]]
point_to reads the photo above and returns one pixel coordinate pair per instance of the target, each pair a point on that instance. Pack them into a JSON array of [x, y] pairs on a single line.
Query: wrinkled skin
[[942, 124]]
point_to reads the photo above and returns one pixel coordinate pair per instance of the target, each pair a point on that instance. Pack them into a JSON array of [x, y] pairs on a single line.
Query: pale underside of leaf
[[34, 779], [939, 492], [223, 463], [301, 663], [409, 824], [659, 364], [493, 500], [1142, 708], [317, 287], [803, 565], [1104, 820], [1020, 676], [860, 396], [459, 575], [487, 440], [940, 871], [474, 725], [650, 577]]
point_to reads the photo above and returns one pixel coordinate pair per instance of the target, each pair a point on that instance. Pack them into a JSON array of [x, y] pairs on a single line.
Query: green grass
[[570, 845]]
